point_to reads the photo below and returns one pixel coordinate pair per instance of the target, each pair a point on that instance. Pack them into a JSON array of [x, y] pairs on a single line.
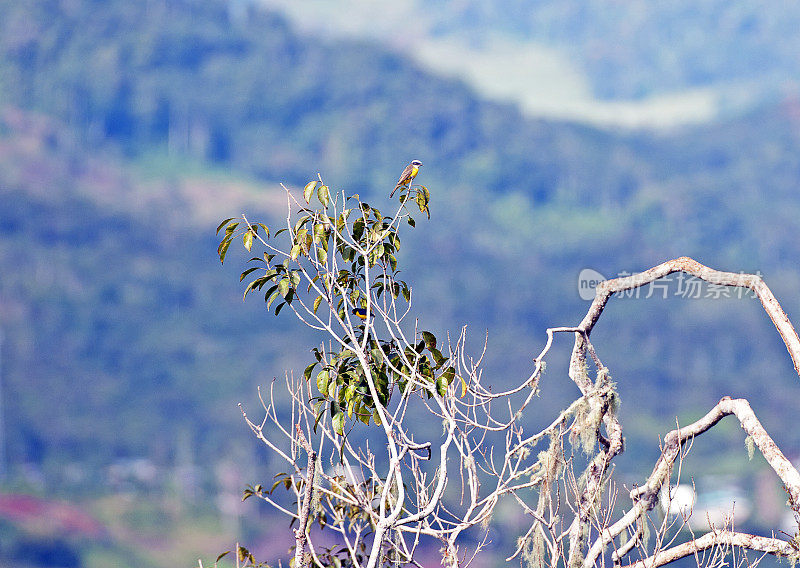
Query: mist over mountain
[[635, 49], [619, 64]]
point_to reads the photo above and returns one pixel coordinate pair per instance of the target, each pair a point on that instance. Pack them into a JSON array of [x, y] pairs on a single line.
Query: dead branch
[[688, 265], [577, 372], [709, 540], [645, 497], [300, 533]]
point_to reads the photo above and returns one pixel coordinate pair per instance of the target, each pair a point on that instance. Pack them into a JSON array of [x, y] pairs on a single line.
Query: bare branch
[[300, 532], [709, 540]]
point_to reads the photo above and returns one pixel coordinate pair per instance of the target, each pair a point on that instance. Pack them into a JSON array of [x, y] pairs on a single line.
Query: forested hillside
[[743, 50], [114, 343], [241, 89], [123, 334]]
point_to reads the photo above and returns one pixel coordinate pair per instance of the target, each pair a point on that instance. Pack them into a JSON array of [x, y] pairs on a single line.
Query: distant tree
[[405, 442]]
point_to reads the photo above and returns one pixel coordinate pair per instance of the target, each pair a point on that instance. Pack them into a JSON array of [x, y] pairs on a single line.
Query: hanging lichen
[[750, 444], [534, 553]]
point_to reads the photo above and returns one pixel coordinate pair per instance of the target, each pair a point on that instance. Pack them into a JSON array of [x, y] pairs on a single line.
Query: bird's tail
[[395, 189]]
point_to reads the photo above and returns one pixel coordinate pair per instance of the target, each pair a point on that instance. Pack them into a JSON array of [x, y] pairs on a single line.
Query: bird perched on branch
[[408, 175], [360, 312]]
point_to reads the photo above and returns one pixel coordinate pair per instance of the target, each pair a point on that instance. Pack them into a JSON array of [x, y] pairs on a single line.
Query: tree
[[376, 377]]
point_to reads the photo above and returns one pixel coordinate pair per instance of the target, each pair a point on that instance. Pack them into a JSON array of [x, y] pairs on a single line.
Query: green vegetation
[[128, 129], [242, 89], [108, 318], [333, 248], [117, 323]]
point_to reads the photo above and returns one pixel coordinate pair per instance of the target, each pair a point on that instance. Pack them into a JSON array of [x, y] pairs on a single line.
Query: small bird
[[360, 312], [408, 175]]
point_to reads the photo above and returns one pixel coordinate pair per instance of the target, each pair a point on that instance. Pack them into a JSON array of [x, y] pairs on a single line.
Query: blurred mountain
[[632, 63], [129, 129], [115, 341], [634, 49]]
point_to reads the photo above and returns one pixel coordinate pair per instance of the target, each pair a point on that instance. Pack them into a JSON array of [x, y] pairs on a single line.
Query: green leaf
[[411, 222], [248, 271], [309, 369], [338, 422], [300, 222], [247, 239], [349, 392], [230, 229], [320, 410], [348, 253], [308, 190], [295, 252], [323, 378], [284, 286], [319, 232], [221, 556], [422, 202], [463, 386], [222, 250], [225, 222], [358, 229], [441, 386], [448, 375], [438, 358], [429, 339], [324, 195], [263, 226], [243, 554], [272, 289], [317, 302], [322, 256], [252, 285], [382, 386]]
